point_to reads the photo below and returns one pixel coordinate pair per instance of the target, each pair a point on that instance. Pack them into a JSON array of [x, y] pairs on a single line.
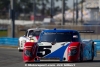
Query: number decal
[[43, 50]]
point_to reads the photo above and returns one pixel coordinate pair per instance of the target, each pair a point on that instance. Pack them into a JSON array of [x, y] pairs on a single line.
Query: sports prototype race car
[[59, 45], [31, 35]]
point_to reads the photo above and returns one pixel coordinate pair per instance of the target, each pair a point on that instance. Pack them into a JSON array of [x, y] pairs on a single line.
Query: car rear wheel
[[20, 50], [81, 53], [92, 55]]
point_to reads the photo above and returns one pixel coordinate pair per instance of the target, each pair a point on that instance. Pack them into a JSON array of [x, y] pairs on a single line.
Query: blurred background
[[67, 14]]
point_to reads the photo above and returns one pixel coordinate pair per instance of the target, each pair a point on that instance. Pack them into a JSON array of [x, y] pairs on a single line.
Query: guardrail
[[7, 41]]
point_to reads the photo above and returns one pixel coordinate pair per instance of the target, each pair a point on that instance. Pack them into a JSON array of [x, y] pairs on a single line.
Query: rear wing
[[86, 31], [23, 29]]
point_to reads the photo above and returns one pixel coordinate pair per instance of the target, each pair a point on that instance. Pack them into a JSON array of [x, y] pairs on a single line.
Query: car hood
[[53, 43], [57, 50], [55, 46]]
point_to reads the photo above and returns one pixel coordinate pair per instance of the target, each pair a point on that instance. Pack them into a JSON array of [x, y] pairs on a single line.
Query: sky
[[69, 3]]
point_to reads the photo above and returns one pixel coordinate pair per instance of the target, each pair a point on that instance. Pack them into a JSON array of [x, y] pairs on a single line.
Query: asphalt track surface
[[10, 57]]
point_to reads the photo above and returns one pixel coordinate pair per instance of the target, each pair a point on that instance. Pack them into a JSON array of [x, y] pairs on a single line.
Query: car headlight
[[72, 52], [28, 53], [32, 40]]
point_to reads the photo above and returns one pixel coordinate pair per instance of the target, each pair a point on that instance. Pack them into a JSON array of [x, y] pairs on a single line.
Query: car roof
[[36, 29], [60, 30]]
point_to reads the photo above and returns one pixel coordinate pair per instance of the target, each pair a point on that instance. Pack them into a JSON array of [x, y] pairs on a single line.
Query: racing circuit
[[10, 57]]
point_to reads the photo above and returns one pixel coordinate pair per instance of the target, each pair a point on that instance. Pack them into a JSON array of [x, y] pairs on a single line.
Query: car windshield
[[58, 37], [34, 33]]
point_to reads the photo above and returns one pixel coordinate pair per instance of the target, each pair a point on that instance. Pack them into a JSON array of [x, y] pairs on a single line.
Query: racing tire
[[92, 51], [20, 50], [81, 54]]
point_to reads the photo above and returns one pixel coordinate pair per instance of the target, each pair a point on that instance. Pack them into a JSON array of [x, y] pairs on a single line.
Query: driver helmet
[[30, 36]]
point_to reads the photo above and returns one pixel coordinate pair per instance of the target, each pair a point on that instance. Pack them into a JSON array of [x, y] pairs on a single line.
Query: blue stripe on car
[[59, 53]]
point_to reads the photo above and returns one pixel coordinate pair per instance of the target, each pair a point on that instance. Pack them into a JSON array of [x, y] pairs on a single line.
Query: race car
[[31, 35], [59, 45]]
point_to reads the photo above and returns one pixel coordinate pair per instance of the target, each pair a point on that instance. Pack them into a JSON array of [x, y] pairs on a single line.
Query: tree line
[[27, 6]]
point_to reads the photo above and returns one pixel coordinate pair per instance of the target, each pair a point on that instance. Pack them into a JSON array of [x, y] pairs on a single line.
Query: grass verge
[[3, 33]]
